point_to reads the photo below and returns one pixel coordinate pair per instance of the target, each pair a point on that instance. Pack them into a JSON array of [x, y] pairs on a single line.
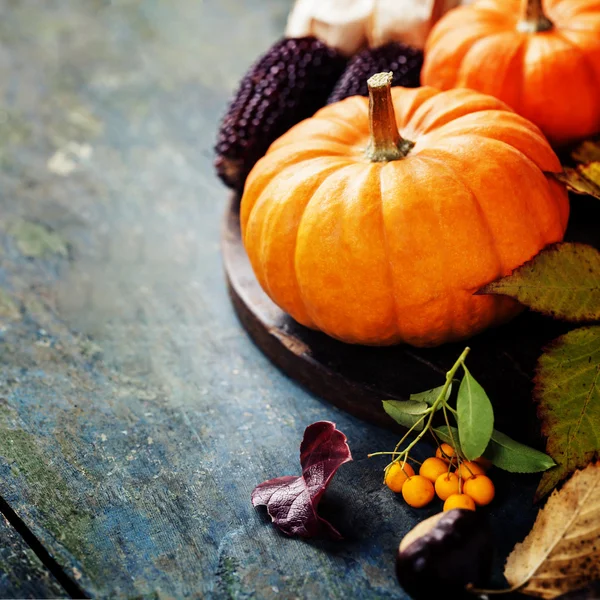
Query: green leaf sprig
[[505, 453], [474, 435]]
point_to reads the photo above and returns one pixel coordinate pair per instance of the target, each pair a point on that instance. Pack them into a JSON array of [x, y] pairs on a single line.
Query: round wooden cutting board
[[357, 378]]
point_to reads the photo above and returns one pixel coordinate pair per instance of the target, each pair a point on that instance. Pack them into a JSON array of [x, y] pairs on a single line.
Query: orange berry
[[418, 491], [468, 469], [395, 476], [484, 463], [446, 485], [480, 488], [432, 468], [446, 452], [459, 501]]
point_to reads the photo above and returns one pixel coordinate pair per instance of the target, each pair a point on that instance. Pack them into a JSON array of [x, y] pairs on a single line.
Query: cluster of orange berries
[[459, 483]]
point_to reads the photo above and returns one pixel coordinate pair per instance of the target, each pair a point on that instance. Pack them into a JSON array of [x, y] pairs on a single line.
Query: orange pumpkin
[[543, 63], [375, 239]]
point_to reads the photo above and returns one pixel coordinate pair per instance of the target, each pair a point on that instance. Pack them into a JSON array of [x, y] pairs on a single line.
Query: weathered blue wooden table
[[135, 414]]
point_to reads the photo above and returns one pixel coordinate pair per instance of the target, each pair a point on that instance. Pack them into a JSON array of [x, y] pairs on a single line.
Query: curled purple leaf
[[292, 501]]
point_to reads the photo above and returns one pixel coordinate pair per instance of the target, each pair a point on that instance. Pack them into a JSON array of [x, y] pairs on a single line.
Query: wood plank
[[22, 574], [135, 414]]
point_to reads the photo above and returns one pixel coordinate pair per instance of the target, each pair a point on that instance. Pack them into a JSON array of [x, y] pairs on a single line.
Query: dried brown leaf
[[587, 152], [562, 551], [584, 177]]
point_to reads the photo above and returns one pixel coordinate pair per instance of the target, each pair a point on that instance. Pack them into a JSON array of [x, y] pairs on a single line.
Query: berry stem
[[398, 455], [452, 440], [386, 143], [397, 448], [441, 398], [398, 459], [467, 467], [533, 18], [404, 465], [380, 454]]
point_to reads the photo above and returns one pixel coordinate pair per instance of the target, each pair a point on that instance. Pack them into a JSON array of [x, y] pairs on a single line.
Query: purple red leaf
[[292, 501]]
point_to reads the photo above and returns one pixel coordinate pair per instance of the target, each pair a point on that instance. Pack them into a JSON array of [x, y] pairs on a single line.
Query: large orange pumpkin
[[375, 239], [543, 63]]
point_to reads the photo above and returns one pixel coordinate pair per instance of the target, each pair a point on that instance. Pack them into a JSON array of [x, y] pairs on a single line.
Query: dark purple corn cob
[[289, 83], [403, 61]]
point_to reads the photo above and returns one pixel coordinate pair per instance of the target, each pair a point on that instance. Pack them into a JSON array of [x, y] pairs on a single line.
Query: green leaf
[[512, 456], [505, 453], [444, 435], [584, 178], [406, 412], [430, 396], [475, 417], [563, 281], [567, 389]]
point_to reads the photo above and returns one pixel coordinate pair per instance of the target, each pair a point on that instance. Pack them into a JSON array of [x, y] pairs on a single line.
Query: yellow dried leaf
[[584, 177], [577, 182], [587, 152], [562, 551]]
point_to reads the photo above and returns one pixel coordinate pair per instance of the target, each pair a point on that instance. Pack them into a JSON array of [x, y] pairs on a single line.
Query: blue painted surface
[[136, 416]]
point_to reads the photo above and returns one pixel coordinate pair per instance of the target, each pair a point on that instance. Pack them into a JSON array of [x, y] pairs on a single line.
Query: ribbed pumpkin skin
[[382, 253], [552, 78]]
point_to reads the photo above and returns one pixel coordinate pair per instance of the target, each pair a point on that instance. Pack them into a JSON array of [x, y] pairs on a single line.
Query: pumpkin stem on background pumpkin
[[386, 143], [533, 19]]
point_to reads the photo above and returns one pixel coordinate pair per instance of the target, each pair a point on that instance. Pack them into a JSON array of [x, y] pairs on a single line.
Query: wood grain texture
[[22, 575], [136, 416]]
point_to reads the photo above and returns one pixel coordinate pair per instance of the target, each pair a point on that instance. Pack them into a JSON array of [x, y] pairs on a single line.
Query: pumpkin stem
[[386, 143], [533, 19]]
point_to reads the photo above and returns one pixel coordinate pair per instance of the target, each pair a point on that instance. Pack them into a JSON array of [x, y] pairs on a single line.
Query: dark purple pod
[[445, 553], [403, 61], [289, 83]]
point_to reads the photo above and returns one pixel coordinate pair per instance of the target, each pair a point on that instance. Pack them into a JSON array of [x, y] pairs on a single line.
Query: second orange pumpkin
[[541, 58], [379, 237]]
